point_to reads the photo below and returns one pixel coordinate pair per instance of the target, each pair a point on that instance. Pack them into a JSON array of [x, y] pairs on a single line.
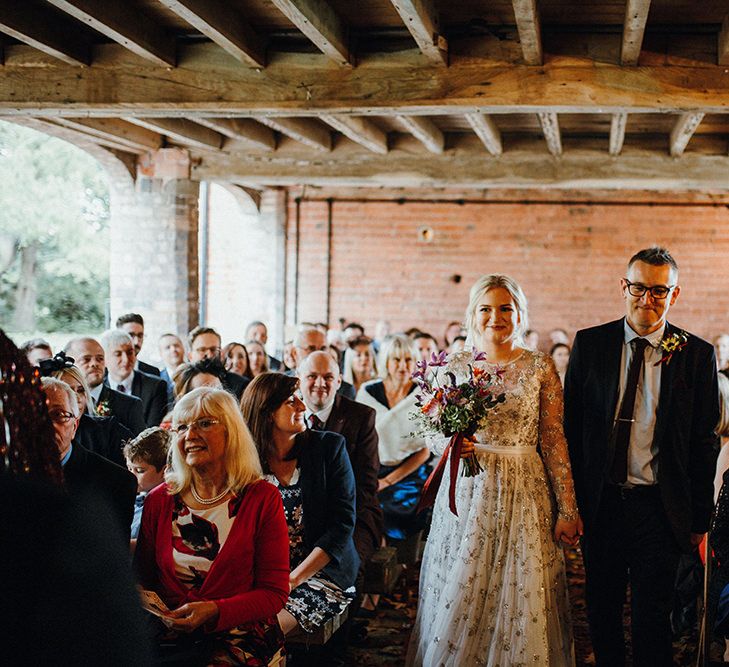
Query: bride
[[492, 584]]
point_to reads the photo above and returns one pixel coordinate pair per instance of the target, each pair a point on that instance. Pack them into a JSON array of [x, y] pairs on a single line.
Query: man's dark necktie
[[624, 421], [121, 388], [316, 423]]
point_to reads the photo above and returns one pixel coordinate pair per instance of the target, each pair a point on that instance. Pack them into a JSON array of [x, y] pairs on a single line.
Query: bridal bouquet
[[453, 409]]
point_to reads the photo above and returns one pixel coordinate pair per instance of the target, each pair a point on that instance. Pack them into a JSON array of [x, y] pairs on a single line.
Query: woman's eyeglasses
[[202, 424]]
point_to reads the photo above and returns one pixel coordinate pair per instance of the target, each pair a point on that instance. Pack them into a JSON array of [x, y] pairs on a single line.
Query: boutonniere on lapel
[[103, 409], [670, 344]]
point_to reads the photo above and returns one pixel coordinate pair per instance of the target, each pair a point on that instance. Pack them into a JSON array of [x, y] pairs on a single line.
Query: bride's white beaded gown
[[493, 589]]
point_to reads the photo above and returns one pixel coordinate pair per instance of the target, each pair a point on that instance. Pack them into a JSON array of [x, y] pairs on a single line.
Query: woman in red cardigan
[[213, 542]]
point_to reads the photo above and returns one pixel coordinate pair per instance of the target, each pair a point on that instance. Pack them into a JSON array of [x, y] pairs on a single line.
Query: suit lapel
[[335, 419], [612, 357], [668, 373]]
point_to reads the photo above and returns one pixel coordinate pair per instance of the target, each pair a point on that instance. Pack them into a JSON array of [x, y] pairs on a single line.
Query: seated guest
[[352, 331], [328, 411], [205, 373], [721, 347], [103, 400], [213, 542], [359, 362], [312, 339], [205, 343], [257, 358], [559, 336], [172, 352], [235, 359], [453, 330], [560, 354], [259, 332], [146, 458], [102, 435], [288, 358], [425, 345], [403, 457], [133, 324], [458, 345], [35, 350], [120, 359], [314, 475], [336, 354], [531, 339], [86, 474]]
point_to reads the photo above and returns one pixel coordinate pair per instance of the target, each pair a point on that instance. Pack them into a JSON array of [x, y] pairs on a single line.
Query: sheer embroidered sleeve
[[553, 442]]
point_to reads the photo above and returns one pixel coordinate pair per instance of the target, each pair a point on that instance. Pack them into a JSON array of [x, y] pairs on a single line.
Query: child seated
[[146, 458]]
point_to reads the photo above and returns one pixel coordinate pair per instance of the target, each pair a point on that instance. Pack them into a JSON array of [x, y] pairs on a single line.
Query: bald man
[[327, 410]]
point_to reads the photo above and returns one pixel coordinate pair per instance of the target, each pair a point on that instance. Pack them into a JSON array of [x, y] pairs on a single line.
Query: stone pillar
[[154, 246]]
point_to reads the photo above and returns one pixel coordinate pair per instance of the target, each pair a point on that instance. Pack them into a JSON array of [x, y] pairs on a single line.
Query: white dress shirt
[[642, 451], [127, 384], [323, 415]]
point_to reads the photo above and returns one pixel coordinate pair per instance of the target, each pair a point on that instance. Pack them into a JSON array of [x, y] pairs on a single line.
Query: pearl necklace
[[208, 501]]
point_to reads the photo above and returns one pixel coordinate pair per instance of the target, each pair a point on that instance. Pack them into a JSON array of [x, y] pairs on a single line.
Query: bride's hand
[[568, 532], [468, 447]]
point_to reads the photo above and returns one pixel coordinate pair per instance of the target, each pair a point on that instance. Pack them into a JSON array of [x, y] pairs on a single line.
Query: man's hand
[[192, 615], [568, 532]]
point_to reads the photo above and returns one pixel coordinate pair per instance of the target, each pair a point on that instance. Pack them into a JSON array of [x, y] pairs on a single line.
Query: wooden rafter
[[550, 128], [120, 132], [636, 17], [618, 123], [182, 131], [486, 131], [220, 22], [245, 129], [361, 130], [425, 131], [79, 138], [248, 198], [723, 42], [34, 26], [209, 85], [530, 31], [683, 130], [304, 130], [121, 21], [421, 19], [319, 22]]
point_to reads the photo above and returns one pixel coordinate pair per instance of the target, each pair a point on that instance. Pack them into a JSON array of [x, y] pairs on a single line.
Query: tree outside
[[54, 235]]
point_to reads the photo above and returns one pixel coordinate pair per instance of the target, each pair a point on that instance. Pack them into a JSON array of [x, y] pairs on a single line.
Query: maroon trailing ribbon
[[432, 484]]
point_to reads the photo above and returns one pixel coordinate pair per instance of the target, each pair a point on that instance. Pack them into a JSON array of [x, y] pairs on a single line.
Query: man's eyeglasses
[[61, 416], [202, 424], [658, 292], [215, 351]]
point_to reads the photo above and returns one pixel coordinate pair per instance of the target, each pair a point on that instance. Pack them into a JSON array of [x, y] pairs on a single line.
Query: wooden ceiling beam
[[120, 132], [361, 130], [182, 131], [636, 17], [526, 14], [209, 84], [320, 23], [245, 129], [122, 22], [56, 128], [35, 26], [221, 23], [425, 131], [307, 131], [682, 132], [249, 199], [421, 19], [723, 42], [550, 128], [618, 122], [486, 131]]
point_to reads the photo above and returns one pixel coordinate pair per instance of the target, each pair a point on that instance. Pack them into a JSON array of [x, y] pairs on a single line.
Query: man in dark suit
[[87, 475], [259, 332], [641, 405], [205, 343], [104, 401], [172, 352], [120, 359], [309, 340], [328, 411], [133, 324]]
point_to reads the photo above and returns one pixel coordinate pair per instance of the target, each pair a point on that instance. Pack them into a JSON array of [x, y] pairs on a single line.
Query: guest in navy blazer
[[315, 478]]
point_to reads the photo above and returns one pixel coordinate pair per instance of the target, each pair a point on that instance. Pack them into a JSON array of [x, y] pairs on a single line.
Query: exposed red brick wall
[[568, 259]]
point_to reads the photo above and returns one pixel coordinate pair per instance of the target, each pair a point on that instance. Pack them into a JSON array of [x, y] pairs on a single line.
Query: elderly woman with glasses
[[315, 479], [213, 543]]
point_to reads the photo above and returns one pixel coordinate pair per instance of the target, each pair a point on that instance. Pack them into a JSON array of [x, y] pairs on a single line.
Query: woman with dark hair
[[560, 353], [235, 359], [205, 373], [314, 476], [257, 358], [359, 362]]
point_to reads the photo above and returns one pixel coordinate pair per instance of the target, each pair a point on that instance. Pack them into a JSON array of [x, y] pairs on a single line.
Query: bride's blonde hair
[[489, 282]]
